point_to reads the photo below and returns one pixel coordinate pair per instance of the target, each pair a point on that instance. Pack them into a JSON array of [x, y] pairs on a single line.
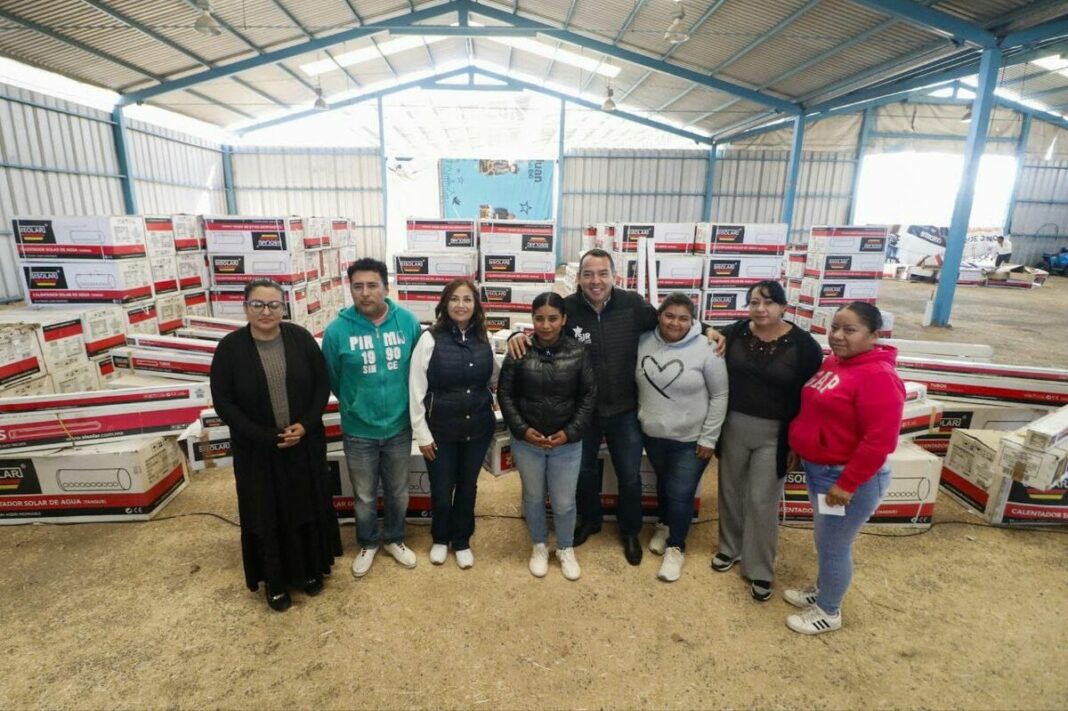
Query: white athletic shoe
[[401, 553], [813, 620], [801, 597], [568, 564], [539, 560], [658, 543], [465, 558], [438, 553], [671, 567], [363, 560]]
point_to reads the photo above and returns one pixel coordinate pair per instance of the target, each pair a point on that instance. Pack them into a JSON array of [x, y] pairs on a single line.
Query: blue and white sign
[[497, 189]]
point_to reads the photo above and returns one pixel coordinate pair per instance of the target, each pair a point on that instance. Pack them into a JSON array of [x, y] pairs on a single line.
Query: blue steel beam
[[793, 171], [1039, 33], [122, 158], [308, 35], [867, 123], [982, 107], [560, 150], [710, 186], [384, 171], [1021, 158], [765, 36], [936, 20], [228, 179]]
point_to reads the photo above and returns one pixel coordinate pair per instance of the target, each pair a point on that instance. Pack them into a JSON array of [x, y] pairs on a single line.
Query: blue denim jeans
[[624, 435], [835, 534], [374, 461], [453, 485], [678, 474], [557, 470]]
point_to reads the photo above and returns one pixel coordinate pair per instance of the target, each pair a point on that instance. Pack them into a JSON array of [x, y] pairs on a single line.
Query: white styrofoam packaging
[[830, 266], [164, 270], [740, 270], [1048, 430], [671, 237], [73, 281], [1033, 467], [721, 304], [170, 308], [159, 235], [286, 268], [60, 335], [530, 267], [113, 481], [229, 234], [838, 292], [426, 268], [419, 505], [193, 274], [20, 354], [750, 238], [513, 298], [142, 318], [196, 303], [511, 236], [437, 234], [109, 237], [847, 239], [498, 459], [78, 377]]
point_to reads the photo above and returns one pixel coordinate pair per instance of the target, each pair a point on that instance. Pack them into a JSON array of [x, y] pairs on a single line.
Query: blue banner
[[497, 189]]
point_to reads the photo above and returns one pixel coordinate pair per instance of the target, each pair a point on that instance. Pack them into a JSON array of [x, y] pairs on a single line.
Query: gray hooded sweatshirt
[[682, 388]]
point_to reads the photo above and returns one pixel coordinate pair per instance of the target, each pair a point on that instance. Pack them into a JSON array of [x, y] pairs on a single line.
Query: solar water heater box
[[59, 334], [164, 273], [436, 234], [170, 308], [509, 236], [228, 306], [113, 237], [830, 265], [511, 298], [73, 281], [741, 270], [142, 318], [317, 233], [196, 303], [435, 268], [193, 272], [847, 239], [242, 235], [724, 304], [159, 235], [750, 238], [531, 267], [676, 237], [286, 268], [837, 292], [188, 233], [678, 271], [20, 354], [420, 300]]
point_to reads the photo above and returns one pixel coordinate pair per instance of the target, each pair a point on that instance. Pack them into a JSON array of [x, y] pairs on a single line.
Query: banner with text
[[497, 189]]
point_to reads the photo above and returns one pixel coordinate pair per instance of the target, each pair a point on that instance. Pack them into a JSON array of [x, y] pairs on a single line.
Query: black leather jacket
[[549, 389]]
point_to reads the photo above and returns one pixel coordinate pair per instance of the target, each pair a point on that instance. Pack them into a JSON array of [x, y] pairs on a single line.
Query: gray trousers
[[749, 494]]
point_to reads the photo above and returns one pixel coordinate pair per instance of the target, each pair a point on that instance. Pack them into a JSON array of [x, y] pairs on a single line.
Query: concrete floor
[[156, 615]]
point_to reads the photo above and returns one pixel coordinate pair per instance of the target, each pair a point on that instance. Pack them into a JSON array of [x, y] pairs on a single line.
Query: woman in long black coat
[[269, 385]]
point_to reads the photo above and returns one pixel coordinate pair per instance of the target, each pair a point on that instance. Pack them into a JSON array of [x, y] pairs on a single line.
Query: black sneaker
[[278, 601], [721, 563], [760, 590], [313, 586]]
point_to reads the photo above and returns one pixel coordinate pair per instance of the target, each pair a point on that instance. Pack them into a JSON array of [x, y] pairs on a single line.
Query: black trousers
[[453, 485], [1002, 258]]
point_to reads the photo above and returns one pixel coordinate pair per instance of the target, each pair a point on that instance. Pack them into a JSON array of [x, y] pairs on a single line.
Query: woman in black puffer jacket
[[547, 399]]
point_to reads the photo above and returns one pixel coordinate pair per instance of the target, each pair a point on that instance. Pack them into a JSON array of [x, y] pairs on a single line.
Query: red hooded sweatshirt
[[851, 415]]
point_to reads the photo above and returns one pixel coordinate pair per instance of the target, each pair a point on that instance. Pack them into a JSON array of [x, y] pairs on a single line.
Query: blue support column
[[1021, 158], [560, 180], [385, 172], [710, 185], [982, 107], [792, 172], [122, 157], [867, 124], [228, 180]]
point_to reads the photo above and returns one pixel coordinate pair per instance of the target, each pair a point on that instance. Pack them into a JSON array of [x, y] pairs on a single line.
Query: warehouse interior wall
[[1039, 218]]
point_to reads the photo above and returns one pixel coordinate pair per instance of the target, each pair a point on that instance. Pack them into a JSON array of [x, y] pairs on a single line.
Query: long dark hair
[[441, 311], [548, 298], [868, 314]]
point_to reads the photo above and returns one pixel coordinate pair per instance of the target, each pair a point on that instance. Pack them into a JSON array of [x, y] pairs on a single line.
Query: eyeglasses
[[257, 305]]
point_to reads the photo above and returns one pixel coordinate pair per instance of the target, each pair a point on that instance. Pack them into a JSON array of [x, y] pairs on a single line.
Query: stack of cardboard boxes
[[841, 264], [178, 261], [518, 262], [735, 258], [656, 259], [439, 251]]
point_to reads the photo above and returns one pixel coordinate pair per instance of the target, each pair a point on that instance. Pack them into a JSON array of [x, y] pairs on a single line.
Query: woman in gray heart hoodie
[[682, 400]]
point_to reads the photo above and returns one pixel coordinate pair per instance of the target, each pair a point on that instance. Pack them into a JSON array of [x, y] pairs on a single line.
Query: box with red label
[[975, 415], [188, 233], [329, 263], [837, 292], [420, 300], [20, 353], [119, 237], [498, 459], [86, 281], [286, 268], [693, 294], [519, 267], [509, 237], [159, 235], [108, 481], [794, 263], [909, 502], [105, 368], [1044, 387], [677, 272], [209, 448], [822, 319], [75, 378], [830, 266], [60, 335], [317, 232], [164, 273], [676, 237], [510, 298], [228, 305], [847, 239], [313, 296], [141, 318], [1041, 468], [436, 234], [803, 316], [724, 304], [23, 387], [196, 303], [193, 272], [650, 502], [435, 268], [740, 270], [503, 321], [920, 417], [419, 506], [170, 308], [180, 365], [340, 232], [759, 238], [206, 324], [228, 234], [103, 326]]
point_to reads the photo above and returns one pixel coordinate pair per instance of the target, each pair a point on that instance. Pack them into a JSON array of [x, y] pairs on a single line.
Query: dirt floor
[[156, 615]]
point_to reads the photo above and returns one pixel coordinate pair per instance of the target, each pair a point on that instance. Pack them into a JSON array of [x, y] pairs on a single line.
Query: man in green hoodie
[[368, 350]]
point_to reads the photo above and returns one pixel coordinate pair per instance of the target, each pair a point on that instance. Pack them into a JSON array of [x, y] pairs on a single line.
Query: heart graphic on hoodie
[[661, 376]]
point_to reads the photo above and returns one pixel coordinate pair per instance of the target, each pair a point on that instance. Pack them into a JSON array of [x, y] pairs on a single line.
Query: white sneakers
[[465, 558], [814, 620], [658, 543], [362, 562], [438, 553], [539, 560], [671, 567], [401, 553], [800, 597], [568, 564]]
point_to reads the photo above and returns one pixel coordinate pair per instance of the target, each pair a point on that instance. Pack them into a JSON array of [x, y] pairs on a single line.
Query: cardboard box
[[498, 461], [719, 304], [1048, 430], [170, 308], [513, 237], [159, 236], [193, 274], [208, 448], [210, 323], [437, 234], [421, 301], [340, 232], [86, 281], [1046, 387], [503, 321], [116, 237], [519, 267], [112, 481], [105, 368], [693, 294], [141, 318], [229, 306], [675, 271], [317, 233], [740, 270], [196, 303], [794, 263], [847, 239], [228, 234], [103, 326], [28, 387], [76, 378], [920, 417], [419, 504], [164, 273], [804, 317], [973, 415], [676, 237], [762, 238], [1035, 468], [60, 335], [286, 268], [838, 292], [511, 298], [830, 266], [313, 296], [909, 502], [188, 233], [435, 268], [179, 365], [172, 343]]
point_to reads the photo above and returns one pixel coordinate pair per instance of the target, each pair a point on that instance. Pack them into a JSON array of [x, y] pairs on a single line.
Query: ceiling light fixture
[[206, 23], [676, 31], [609, 104], [320, 103]]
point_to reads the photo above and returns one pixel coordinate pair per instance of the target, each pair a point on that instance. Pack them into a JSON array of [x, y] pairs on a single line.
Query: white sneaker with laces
[[401, 553], [438, 553], [671, 567], [539, 560], [568, 564], [363, 560], [465, 558], [801, 597], [813, 620], [658, 543]]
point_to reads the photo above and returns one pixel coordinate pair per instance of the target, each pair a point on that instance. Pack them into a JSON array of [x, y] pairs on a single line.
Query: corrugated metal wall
[[175, 172], [1040, 218], [306, 181]]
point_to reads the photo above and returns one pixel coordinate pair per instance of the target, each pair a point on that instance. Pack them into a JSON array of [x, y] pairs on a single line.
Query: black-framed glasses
[[257, 305]]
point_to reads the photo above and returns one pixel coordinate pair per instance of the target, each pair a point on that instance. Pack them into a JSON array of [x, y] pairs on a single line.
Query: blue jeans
[[624, 435], [678, 474], [374, 461], [558, 470], [835, 534], [453, 485]]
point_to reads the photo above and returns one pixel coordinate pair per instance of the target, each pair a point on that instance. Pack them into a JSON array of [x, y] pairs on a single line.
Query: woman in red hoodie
[[848, 424]]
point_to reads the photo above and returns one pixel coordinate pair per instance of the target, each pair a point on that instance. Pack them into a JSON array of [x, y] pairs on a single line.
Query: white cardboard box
[[976, 415], [511, 298], [141, 318], [436, 234], [179, 365], [511, 237], [188, 233], [286, 268], [172, 343], [60, 335], [193, 272], [103, 326], [838, 292], [170, 308], [678, 271], [229, 306], [196, 303], [115, 237], [847, 239], [28, 387], [86, 281], [498, 459], [740, 270], [671, 237], [720, 304], [519, 267], [1048, 430], [750, 238], [20, 354], [340, 232], [159, 235], [421, 301], [76, 377], [317, 232], [1032, 467], [229, 234], [830, 266], [207, 447], [435, 268], [164, 270]]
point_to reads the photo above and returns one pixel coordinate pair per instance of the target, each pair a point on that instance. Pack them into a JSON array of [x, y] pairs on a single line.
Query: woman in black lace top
[[768, 362]]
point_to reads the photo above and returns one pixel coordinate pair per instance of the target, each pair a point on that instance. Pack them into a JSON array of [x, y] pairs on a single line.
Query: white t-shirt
[[1005, 247]]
